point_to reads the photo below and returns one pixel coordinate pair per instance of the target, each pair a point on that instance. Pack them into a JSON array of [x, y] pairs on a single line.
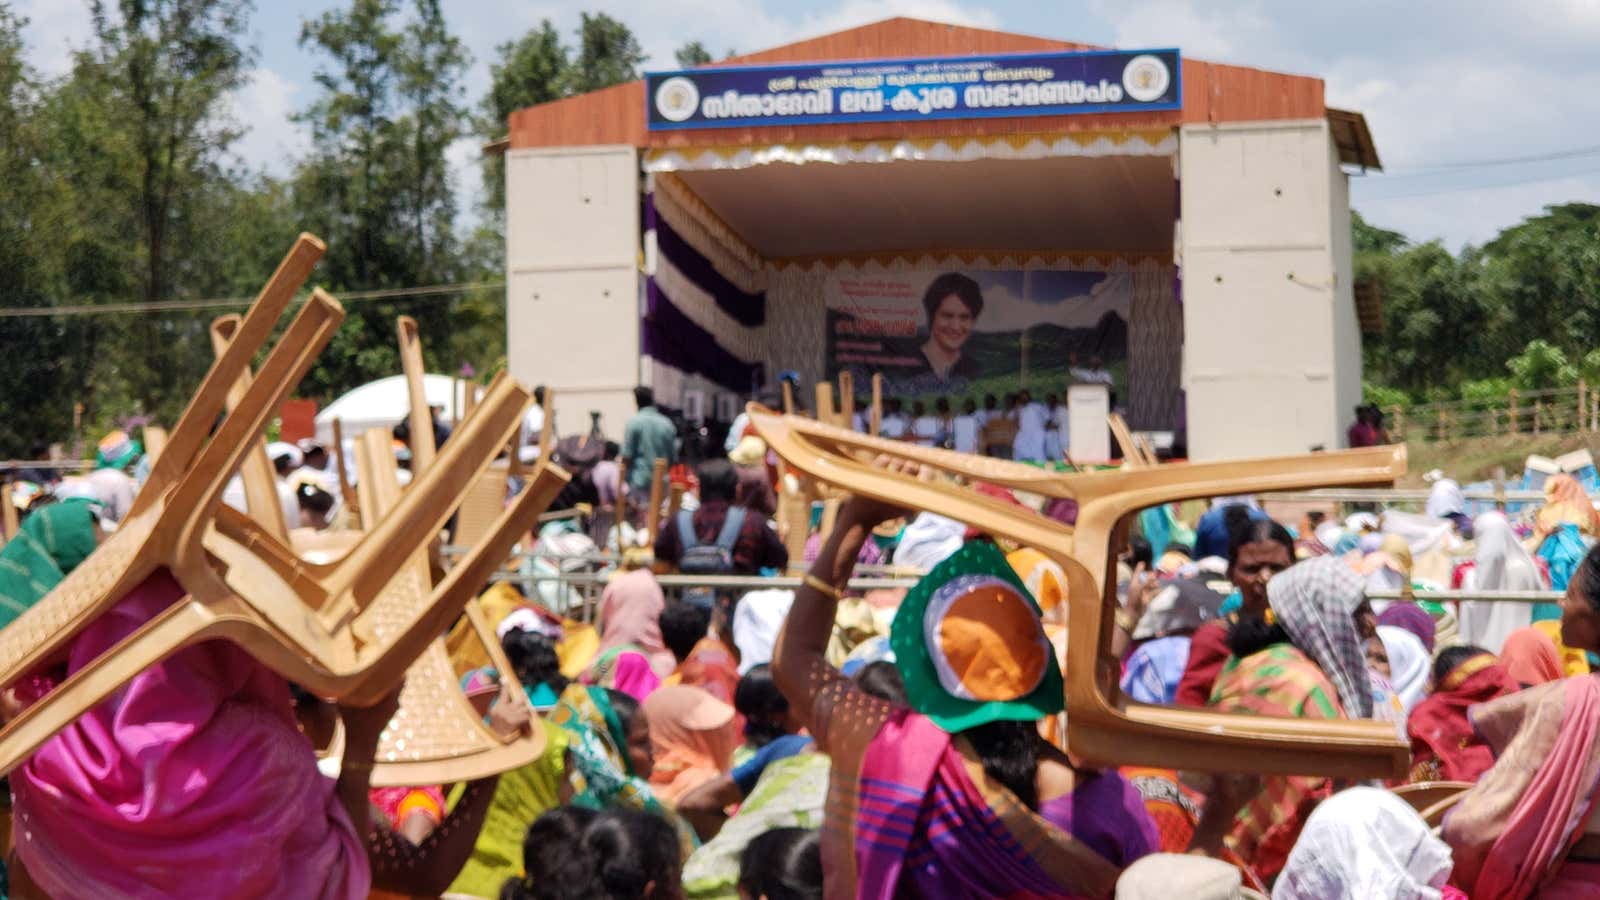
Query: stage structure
[[967, 212]]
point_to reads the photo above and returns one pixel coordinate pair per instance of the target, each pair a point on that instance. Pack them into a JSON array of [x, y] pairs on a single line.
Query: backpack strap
[[729, 535], [686, 529]]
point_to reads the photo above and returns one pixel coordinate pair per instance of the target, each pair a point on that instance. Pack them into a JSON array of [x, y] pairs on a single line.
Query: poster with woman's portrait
[[943, 332]]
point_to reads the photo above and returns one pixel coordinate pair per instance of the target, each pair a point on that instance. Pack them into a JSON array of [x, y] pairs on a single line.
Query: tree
[[530, 70], [692, 54], [150, 95], [376, 185], [608, 54]]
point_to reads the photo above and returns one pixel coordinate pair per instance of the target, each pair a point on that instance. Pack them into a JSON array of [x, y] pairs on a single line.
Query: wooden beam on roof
[[1353, 138]]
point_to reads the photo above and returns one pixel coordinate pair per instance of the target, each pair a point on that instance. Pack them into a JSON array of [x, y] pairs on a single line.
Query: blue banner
[[908, 90]]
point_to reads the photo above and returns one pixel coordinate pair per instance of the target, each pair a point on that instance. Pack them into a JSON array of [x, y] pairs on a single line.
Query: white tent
[[383, 403]]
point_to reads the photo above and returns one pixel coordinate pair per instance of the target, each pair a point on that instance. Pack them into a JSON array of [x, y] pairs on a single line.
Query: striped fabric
[[1277, 681]]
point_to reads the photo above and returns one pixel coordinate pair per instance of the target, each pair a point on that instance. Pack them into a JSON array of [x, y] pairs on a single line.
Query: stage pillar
[[1272, 355], [572, 279]]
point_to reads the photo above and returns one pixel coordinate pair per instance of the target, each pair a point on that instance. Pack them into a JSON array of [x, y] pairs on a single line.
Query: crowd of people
[[818, 742]]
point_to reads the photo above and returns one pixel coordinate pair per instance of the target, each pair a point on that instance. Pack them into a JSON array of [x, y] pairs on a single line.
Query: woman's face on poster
[[952, 324]]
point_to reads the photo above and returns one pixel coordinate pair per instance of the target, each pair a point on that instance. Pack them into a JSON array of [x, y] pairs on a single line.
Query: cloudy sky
[[1483, 112]]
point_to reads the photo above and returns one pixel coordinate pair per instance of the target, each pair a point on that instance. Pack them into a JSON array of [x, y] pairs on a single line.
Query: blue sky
[[1441, 82]]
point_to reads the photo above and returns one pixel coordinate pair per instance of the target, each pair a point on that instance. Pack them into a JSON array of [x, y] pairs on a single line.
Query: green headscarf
[[52, 542]]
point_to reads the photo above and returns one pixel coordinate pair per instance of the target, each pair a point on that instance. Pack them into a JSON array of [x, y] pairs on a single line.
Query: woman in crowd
[[1565, 502], [618, 854], [1444, 745], [1447, 502], [1155, 668], [788, 792], [1501, 563], [1409, 664], [783, 864], [1531, 657], [692, 739], [1413, 618], [633, 656], [1527, 827], [990, 791], [704, 660], [608, 747], [1365, 843], [52, 541], [522, 794], [1258, 549], [203, 749], [1305, 661]]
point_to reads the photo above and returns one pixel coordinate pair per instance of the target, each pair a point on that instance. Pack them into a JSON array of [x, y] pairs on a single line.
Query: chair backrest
[[421, 416], [1103, 727], [194, 426], [258, 474]]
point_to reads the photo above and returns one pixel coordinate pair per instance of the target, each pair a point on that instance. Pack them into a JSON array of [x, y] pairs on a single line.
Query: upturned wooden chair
[[164, 530], [436, 736], [1103, 727], [346, 631]]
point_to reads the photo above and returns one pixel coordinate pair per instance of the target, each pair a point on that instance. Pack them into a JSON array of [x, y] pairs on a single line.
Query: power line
[[92, 309], [1480, 187], [1551, 156]]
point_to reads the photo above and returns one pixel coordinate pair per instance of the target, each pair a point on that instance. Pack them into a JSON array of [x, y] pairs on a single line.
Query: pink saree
[[1510, 834], [192, 781]]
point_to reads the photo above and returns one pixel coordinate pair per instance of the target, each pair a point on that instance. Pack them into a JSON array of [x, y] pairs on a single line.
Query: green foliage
[[692, 54], [376, 186], [1383, 396], [608, 54], [1541, 365], [1487, 391]]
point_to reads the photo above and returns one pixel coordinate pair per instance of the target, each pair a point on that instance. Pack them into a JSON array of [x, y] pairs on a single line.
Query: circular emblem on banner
[[1146, 78], [677, 98]]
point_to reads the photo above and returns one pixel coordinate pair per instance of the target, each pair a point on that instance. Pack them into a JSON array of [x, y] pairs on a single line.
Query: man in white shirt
[[964, 428], [991, 408], [532, 427], [1031, 419], [924, 425], [894, 424], [1095, 374]]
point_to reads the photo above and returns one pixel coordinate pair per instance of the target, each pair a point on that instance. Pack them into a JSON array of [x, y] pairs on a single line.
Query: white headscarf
[[757, 620], [1501, 564], [927, 540], [1444, 498], [1362, 843], [1161, 876], [1408, 664]]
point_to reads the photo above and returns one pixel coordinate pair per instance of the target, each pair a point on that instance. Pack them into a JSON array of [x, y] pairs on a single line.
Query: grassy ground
[[1475, 459]]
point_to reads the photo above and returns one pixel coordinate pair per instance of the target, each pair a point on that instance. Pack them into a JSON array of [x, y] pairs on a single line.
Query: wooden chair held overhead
[[1103, 727]]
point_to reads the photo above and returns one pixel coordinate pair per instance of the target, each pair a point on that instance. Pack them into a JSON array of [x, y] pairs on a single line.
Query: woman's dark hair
[[782, 864], [533, 659], [758, 699], [682, 626], [631, 849], [1010, 754], [718, 480], [626, 708], [1252, 635], [1243, 529], [1450, 657], [311, 497], [965, 289], [1140, 551], [1588, 576], [882, 680], [553, 858]]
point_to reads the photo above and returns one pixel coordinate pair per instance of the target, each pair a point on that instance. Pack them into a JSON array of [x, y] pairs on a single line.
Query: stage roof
[[1212, 92]]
